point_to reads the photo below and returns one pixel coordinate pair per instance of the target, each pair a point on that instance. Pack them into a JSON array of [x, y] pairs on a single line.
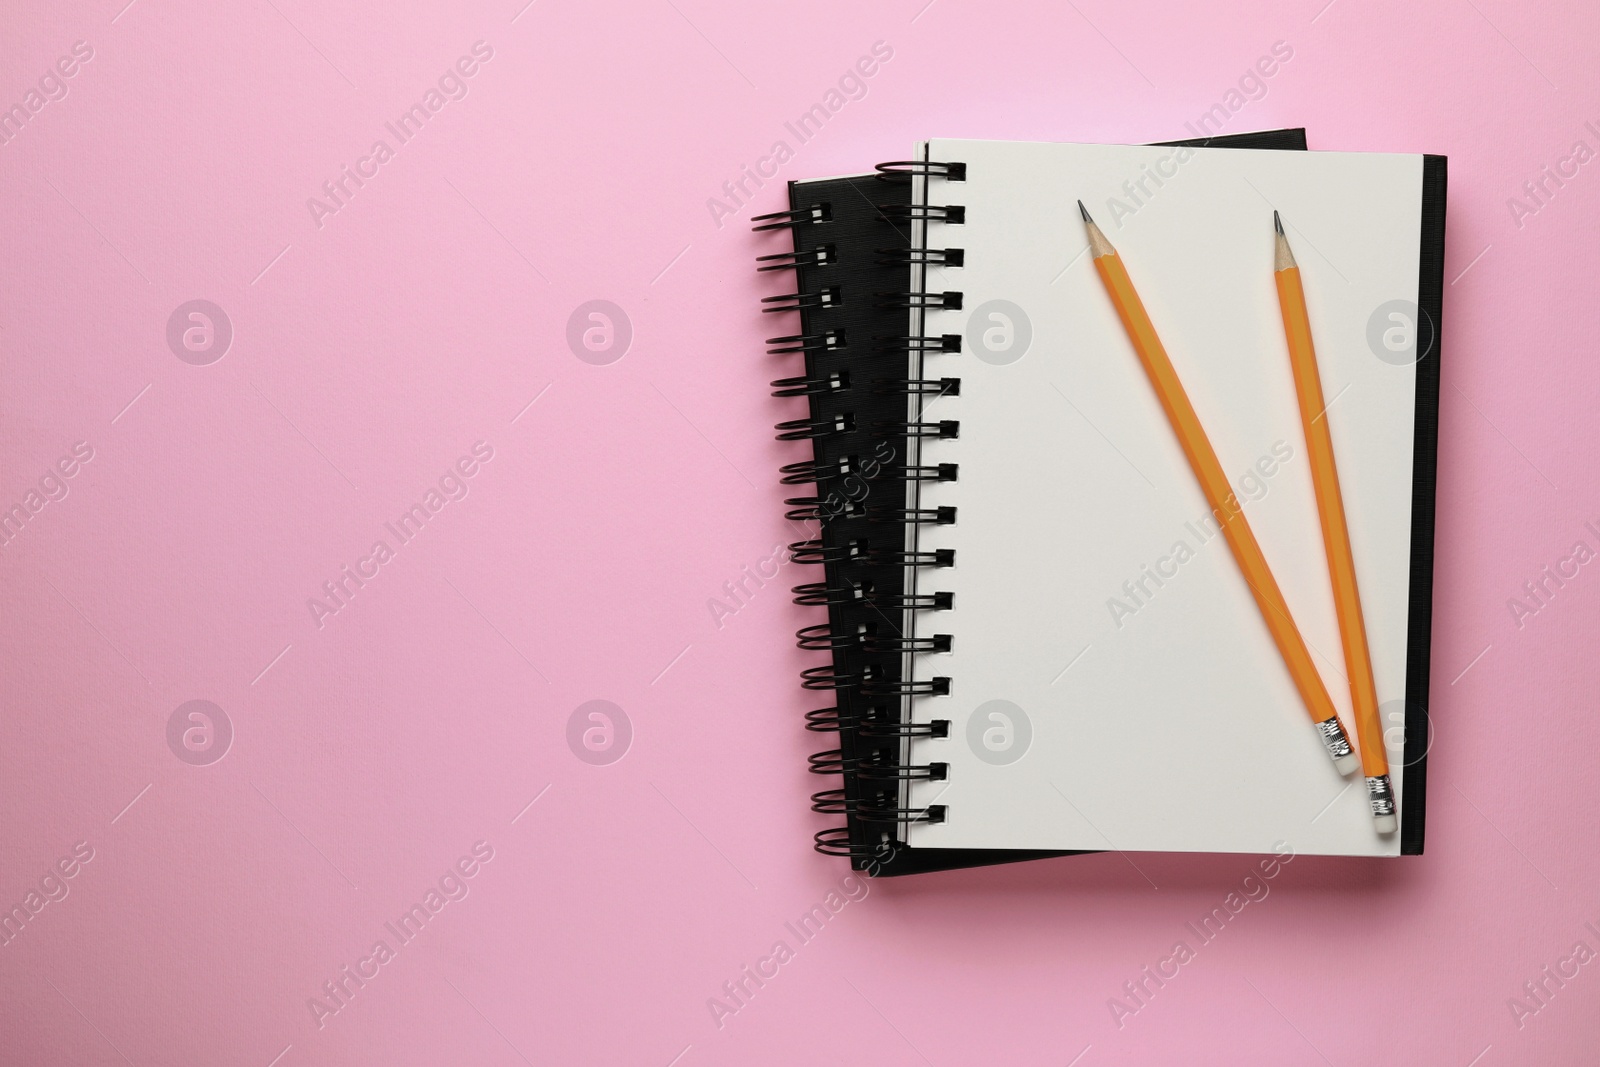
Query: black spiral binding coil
[[855, 271]]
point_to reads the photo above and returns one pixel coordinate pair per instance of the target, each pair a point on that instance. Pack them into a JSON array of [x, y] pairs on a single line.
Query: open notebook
[[1071, 660]]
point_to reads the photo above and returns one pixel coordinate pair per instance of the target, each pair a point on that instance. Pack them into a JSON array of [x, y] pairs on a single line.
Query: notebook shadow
[[1111, 875]]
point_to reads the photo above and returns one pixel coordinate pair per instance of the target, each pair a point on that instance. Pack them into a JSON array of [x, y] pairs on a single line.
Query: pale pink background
[[370, 353]]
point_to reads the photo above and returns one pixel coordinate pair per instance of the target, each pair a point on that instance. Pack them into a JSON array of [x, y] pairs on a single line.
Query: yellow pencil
[[1335, 532], [1224, 505]]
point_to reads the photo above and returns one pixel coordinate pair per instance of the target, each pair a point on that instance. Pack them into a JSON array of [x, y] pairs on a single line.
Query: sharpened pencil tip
[[1084, 212], [1277, 223]]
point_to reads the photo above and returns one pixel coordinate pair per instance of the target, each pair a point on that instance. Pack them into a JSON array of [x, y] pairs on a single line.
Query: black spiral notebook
[[929, 772]]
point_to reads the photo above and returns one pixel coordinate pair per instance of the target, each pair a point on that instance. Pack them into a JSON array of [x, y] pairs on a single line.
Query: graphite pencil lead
[[1084, 212], [1277, 223]]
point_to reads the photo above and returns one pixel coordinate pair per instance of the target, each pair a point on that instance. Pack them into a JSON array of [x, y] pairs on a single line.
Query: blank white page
[[1170, 723]]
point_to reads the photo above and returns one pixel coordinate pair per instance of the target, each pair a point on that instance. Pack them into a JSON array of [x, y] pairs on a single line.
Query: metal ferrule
[[1334, 739], [1380, 791]]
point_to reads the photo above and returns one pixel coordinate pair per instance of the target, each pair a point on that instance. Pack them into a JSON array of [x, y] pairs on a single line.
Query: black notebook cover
[[1424, 473]]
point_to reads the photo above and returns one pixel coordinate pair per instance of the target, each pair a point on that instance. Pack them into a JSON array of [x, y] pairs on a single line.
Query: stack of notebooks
[[1042, 634]]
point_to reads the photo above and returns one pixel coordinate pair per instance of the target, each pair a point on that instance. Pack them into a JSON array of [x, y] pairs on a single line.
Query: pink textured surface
[[370, 352]]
